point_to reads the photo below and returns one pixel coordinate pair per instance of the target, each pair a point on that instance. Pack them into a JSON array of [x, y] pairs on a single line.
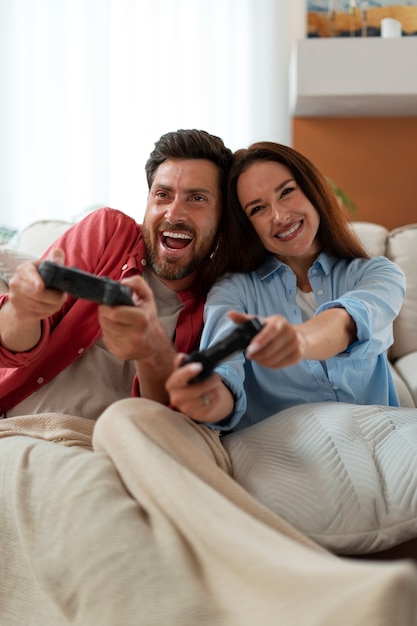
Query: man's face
[[181, 219]]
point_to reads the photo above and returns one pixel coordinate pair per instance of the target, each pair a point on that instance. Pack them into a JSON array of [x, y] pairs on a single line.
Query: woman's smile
[[289, 232]]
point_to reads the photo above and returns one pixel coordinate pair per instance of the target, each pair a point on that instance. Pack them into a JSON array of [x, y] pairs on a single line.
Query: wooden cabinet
[[353, 104]]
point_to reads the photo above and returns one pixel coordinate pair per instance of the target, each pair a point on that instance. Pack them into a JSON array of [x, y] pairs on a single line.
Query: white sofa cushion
[[345, 475], [37, 237], [372, 236], [402, 248], [28, 245]]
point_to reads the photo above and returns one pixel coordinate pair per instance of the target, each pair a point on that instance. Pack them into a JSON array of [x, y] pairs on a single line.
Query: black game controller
[[236, 341], [84, 285]]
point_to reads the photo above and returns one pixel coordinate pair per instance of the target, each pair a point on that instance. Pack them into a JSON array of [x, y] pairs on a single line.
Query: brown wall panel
[[373, 160]]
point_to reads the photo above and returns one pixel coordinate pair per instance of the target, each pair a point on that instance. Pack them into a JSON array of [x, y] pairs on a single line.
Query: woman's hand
[[206, 401], [278, 344]]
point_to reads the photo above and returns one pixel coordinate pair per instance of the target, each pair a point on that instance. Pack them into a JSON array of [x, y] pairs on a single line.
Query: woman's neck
[[300, 267]]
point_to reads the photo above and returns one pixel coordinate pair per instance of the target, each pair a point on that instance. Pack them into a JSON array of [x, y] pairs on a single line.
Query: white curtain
[[87, 86]]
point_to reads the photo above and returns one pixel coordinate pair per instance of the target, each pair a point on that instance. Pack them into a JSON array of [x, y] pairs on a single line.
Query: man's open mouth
[[175, 240]]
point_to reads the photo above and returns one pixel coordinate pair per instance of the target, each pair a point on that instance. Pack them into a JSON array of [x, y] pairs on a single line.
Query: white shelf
[[354, 77]]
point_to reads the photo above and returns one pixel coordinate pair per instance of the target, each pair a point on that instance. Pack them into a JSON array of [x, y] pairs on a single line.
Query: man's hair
[[190, 144]]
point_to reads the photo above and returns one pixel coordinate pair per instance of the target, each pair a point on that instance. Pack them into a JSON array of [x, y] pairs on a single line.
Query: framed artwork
[[356, 18]]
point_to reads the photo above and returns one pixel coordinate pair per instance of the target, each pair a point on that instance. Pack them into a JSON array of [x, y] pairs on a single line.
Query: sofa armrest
[[10, 258], [406, 367], [404, 393], [402, 249]]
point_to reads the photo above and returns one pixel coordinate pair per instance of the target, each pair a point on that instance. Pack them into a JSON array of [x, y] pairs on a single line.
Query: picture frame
[[356, 18]]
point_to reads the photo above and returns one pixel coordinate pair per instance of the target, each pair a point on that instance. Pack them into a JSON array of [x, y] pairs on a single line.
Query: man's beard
[[168, 268]]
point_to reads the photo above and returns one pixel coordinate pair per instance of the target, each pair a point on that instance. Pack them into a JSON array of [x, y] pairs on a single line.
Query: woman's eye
[[287, 190], [254, 210]]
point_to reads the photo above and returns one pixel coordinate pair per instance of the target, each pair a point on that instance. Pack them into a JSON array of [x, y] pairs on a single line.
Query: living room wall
[[88, 86], [373, 160]]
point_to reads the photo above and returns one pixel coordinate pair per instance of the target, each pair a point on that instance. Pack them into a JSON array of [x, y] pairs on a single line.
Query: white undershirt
[[307, 303]]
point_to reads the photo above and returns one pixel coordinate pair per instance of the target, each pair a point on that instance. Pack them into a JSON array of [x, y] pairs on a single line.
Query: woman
[[328, 308]]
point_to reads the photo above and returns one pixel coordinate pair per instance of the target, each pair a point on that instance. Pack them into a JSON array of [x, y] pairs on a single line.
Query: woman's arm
[[281, 344]]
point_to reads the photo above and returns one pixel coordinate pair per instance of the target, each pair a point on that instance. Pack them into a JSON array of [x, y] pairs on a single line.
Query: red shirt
[[107, 243]]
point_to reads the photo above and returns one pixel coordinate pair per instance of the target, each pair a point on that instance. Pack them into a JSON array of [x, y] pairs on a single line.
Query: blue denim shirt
[[371, 290]]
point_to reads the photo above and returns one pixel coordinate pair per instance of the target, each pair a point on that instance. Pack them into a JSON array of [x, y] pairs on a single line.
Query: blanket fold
[[147, 528], [68, 430]]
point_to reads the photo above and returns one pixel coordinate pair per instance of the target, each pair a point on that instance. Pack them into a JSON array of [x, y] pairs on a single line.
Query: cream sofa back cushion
[[372, 236], [28, 245], [37, 237], [402, 248]]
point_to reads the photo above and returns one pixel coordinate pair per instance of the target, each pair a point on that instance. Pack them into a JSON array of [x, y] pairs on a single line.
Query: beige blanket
[[148, 529]]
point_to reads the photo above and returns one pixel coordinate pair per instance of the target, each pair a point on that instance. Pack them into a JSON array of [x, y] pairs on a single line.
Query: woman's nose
[[278, 215]]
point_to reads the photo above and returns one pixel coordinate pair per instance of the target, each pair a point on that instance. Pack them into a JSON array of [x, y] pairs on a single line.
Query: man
[[59, 354]]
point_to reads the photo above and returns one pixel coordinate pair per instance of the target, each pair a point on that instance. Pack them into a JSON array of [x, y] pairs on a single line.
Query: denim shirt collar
[[323, 264]]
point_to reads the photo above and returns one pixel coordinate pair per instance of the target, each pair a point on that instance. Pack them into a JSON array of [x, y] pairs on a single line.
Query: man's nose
[[176, 211]]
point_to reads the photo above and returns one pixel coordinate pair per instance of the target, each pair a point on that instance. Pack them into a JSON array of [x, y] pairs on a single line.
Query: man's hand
[[136, 333], [132, 333], [29, 302]]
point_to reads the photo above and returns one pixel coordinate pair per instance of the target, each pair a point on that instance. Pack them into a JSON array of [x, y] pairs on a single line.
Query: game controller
[[236, 341], [84, 285]]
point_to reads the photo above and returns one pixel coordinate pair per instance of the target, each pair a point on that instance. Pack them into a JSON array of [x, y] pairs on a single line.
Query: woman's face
[[285, 220]]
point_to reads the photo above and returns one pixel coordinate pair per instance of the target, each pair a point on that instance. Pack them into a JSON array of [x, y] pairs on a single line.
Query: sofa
[[399, 244], [118, 522]]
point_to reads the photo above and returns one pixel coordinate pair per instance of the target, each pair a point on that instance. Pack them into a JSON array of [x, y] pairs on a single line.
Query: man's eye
[[161, 194], [198, 198]]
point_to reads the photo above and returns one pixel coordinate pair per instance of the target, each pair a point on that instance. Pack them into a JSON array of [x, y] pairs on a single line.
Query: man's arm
[[136, 333], [18, 334], [154, 371]]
